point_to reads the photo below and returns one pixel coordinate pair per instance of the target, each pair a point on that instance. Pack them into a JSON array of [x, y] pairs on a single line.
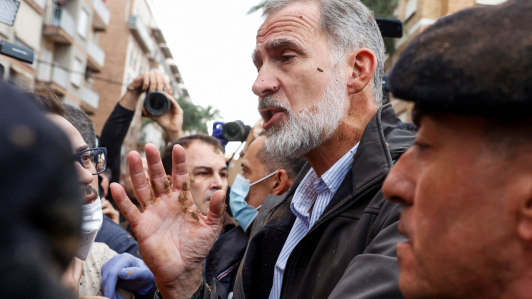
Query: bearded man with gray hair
[[332, 235]]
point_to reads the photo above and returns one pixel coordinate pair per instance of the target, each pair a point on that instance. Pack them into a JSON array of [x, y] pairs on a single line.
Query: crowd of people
[[336, 197]]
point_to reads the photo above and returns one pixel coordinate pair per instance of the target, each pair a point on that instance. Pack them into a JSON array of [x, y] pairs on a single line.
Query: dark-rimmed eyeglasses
[[93, 159]]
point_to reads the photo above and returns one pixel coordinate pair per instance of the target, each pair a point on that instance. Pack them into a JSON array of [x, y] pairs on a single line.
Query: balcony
[[102, 16], [96, 56], [54, 76], [90, 97], [59, 25], [166, 51], [141, 34]]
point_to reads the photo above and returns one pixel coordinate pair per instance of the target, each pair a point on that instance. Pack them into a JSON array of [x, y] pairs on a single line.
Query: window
[[45, 67], [75, 77], [83, 23]]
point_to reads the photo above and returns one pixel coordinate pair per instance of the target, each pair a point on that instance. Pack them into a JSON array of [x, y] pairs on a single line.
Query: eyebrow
[[206, 168], [275, 45], [82, 148]]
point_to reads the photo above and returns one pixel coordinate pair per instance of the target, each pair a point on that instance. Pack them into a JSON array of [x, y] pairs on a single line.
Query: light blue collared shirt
[[315, 193]]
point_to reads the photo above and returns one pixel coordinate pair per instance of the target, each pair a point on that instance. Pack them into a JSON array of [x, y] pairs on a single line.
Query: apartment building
[[417, 15], [133, 45], [64, 36]]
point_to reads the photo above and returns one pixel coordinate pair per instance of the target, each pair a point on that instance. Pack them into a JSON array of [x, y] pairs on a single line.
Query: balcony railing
[[103, 12], [141, 33], [58, 17], [96, 53], [89, 96]]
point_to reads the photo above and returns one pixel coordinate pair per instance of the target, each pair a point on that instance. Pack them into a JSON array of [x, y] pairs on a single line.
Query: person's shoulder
[[101, 253]]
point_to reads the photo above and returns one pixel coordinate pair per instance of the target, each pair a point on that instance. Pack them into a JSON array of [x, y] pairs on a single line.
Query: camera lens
[[156, 103], [235, 131]]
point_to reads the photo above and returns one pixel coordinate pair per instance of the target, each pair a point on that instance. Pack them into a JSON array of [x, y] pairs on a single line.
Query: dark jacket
[[117, 238], [350, 251], [221, 265]]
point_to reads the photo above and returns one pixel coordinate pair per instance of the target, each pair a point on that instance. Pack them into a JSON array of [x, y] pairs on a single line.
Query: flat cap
[[475, 62]]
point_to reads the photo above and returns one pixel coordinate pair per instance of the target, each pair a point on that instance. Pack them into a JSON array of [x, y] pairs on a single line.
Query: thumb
[[216, 209], [131, 273]]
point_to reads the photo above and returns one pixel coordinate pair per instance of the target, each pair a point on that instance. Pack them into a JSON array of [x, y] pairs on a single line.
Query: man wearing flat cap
[[466, 185]]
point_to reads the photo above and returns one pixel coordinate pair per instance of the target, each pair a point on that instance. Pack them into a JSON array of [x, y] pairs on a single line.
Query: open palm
[[173, 236]]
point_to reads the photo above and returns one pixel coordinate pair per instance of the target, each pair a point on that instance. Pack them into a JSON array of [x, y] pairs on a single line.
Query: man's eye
[[421, 146], [286, 58], [202, 173], [85, 157], [223, 175]]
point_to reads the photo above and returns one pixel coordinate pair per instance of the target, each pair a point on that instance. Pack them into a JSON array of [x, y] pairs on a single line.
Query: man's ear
[[281, 182], [362, 66], [524, 224]]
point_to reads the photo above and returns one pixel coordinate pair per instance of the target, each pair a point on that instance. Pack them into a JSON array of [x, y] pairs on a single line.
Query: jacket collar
[[372, 161]]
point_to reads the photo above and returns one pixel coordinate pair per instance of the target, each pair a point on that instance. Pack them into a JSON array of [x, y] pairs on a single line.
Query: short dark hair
[[48, 101], [82, 122], [272, 163], [185, 143], [508, 136]]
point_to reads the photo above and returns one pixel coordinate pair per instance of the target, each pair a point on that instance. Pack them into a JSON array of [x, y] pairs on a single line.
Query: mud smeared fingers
[[185, 186], [195, 215], [182, 198], [167, 186], [216, 209], [125, 205], [152, 198], [179, 168], [156, 170]]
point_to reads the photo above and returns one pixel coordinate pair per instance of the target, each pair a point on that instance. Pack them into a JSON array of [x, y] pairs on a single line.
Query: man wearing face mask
[[83, 275], [263, 174]]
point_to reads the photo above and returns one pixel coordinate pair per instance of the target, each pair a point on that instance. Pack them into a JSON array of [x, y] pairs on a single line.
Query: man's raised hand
[[173, 236]]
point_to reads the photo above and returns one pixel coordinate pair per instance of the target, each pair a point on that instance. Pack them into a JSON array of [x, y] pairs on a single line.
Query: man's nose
[[84, 175], [217, 182], [400, 184], [266, 83]]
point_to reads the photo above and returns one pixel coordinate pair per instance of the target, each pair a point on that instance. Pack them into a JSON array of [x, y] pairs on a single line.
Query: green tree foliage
[[195, 117], [381, 8]]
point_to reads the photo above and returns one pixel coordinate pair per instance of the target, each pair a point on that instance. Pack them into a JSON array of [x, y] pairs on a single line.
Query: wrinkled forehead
[[299, 20], [200, 153]]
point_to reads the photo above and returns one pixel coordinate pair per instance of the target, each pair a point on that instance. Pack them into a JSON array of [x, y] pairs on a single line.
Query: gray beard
[[309, 128]]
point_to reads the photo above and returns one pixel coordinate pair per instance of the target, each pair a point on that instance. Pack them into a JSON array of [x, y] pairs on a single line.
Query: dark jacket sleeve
[[375, 273], [113, 133], [117, 238]]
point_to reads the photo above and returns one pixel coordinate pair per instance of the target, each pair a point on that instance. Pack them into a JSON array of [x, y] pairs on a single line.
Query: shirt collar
[[307, 191], [335, 175]]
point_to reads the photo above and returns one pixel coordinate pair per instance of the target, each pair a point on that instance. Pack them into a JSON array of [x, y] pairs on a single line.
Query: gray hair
[[82, 122], [273, 162], [349, 25]]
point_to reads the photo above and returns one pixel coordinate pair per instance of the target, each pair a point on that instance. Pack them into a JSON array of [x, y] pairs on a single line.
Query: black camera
[[236, 131], [156, 103]]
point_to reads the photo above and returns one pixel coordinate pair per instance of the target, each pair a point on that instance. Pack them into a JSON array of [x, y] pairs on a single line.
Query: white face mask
[[91, 222]]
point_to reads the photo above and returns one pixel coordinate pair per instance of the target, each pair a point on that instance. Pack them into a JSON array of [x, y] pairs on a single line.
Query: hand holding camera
[[158, 104]]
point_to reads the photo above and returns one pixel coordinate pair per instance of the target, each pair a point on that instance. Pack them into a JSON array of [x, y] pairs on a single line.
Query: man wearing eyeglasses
[[83, 276]]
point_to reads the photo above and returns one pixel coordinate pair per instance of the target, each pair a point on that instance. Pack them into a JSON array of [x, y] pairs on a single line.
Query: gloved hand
[[127, 272]]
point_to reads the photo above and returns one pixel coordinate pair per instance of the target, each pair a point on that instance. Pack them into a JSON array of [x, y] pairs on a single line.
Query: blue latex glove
[[127, 272]]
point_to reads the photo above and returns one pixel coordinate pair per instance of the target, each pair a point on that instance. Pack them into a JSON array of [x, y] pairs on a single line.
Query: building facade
[[417, 15], [65, 38], [133, 45]]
